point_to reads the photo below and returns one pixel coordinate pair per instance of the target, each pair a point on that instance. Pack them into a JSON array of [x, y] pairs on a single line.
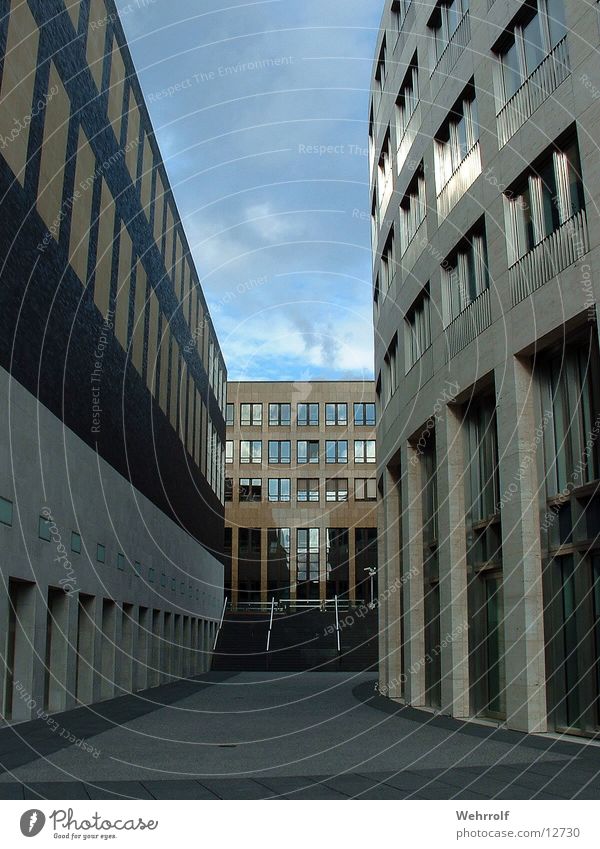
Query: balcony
[[460, 181], [452, 51], [472, 321], [554, 254], [534, 91]]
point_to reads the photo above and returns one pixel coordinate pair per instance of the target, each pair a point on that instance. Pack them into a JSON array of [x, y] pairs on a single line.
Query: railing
[[540, 84], [452, 51], [220, 623], [282, 605], [337, 625], [460, 181], [554, 254], [408, 137], [270, 623], [472, 321]]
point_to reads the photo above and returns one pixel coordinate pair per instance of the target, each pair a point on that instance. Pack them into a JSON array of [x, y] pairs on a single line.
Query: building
[[111, 379], [484, 174], [300, 492]]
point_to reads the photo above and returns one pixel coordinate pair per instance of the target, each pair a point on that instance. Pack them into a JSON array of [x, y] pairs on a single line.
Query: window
[[229, 451], [251, 415], [228, 489], [75, 542], [408, 100], [482, 447], [390, 370], [399, 10], [336, 489], [280, 414], [280, 451], [465, 275], [532, 38], [388, 265], [456, 138], [137, 568], [121, 562], [308, 415], [250, 451], [100, 553], [6, 511], [385, 179], [280, 489], [307, 451], [250, 489], [544, 199], [307, 489], [364, 414], [278, 561], [365, 489], [336, 414], [229, 415], [445, 21], [364, 450], [418, 328], [307, 554], [151, 574], [413, 208], [380, 71], [44, 529], [336, 451]]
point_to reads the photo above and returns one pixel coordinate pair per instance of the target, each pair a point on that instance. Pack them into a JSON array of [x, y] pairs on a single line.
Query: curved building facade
[[484, 179]]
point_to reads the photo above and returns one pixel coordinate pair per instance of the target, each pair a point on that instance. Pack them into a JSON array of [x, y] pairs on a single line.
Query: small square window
[[137, 568], [173, 585], [6, 511], [44, 529], [100, 553], [151, 574], [163, 579], [121, 562], [75, 542]]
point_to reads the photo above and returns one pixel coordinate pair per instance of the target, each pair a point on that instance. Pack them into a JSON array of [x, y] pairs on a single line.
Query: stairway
[[300, 641]]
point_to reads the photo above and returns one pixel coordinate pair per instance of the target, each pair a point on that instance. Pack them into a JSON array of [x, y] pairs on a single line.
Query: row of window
[[307, 451], [307, 414], [307, 542], [307, 489]]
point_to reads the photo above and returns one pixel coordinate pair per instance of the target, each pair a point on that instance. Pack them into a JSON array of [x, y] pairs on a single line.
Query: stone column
[[263, 566], [389, 583], [412, 573], [521, 549], [62, 670], [29, 652], [452, 558]]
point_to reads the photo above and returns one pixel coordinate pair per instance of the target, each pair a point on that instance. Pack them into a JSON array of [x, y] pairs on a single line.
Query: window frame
[[336, 453]]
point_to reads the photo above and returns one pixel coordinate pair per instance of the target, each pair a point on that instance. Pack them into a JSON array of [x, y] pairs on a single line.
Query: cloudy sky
[[265, 141]]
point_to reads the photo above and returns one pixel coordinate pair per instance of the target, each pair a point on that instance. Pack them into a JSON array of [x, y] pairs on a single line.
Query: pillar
[[412, 576]]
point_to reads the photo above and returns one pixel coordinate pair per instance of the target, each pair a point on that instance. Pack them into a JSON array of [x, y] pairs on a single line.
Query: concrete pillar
[[143, 646], [352, 565], [521, 549], [112, 628], [29, 652], [155, 648], [125, 649], [412, 571], [186, 645], [390, 618], [62, 651], [263, 566], [5, 661], [322, 562], [167, 647], [89, 633], [452, 558], [234, 566]]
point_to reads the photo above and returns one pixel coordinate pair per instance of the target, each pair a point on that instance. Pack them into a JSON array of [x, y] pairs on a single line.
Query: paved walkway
[[277, 735]]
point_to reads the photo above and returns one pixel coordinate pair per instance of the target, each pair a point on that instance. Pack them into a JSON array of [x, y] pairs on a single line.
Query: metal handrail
[[337, 625], [220, 623], [270, 623]]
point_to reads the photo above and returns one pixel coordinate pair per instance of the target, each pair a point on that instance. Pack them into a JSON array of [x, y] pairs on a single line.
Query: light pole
[[371, 571]]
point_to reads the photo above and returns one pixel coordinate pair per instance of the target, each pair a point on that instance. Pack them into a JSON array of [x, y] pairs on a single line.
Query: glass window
[[229, 415], [75, 542], [365, 489], [336, 451], [250, 451], [251, 415], [364, 450], [228, 489], [307, 451], [250, 489], [6, 511], [121, 562], [336, 414], [308, 489], [100, 553], [307, 554], [364, 414], [280, 451], [44, 529], [533, 45], [511, 70], [336, 489], [308, 415], [279, 489], [229, 451], [280, 414]]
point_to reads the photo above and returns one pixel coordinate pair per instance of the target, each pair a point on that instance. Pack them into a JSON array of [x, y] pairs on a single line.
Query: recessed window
[[229, 415], [121, 562], [444, 23], [365, 489], [228, 489], [280, 414], [251, 415], [465, 274], [173, 585], [336, 451], [229, 451], [336, 414], [250, 489], [456, 138], [413, 208], [389, 376], [279, 489], [280, 451], [308, 489], [336, 489], [44, 529], [75, 542], [307, 451], [250, 451], [100, 553], [163, 579], [408, 99], [364, 414], [6, 511], [388, 265], [151, 573], [418, 329], [308, 415], [364, 450]]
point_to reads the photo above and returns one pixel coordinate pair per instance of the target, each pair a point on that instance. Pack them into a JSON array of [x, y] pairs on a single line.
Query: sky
[[261, 114]]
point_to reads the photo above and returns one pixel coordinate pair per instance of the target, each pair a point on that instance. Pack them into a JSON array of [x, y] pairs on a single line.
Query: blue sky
[[260, 111]]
